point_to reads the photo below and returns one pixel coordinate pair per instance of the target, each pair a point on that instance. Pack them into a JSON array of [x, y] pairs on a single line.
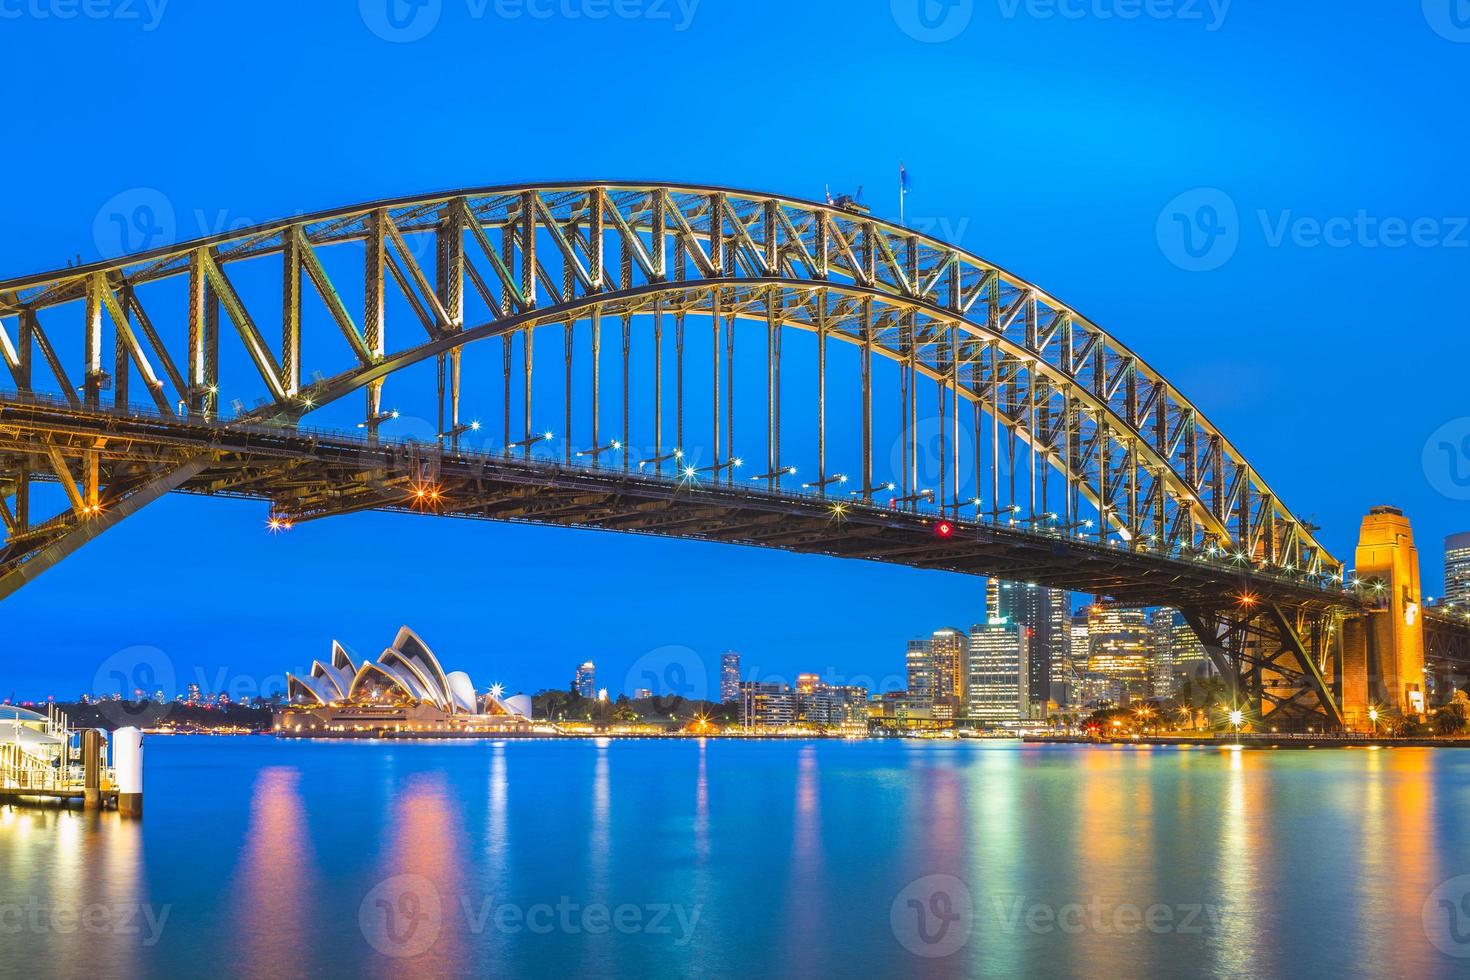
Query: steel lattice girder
[[1270, 656], [308, 476], [1128, 440]]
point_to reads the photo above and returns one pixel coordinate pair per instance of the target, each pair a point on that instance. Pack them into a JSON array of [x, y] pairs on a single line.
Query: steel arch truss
[[1274, 660], [1147, 463]]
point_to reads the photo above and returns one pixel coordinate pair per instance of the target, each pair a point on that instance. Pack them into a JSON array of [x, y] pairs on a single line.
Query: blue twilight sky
[[1055, 137]]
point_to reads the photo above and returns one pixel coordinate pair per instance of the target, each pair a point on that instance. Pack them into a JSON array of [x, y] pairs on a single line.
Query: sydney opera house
[[405, 690]]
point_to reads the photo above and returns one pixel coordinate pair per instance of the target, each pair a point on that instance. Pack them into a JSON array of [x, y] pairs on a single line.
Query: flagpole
[[901, 193]]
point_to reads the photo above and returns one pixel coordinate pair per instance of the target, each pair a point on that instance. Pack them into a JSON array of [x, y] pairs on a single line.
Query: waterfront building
[[948, 654], [997, 674], [900, 709], [767, 705], [584, 682], [405, 689], [1096, 692], [1118, 648], [918, 669], [807, 683], [852, 701], [1044, 614], [1457, 570], [641, 693], [729, 676]]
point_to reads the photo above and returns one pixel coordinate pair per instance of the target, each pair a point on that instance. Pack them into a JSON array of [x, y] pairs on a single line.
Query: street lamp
[[1373, 717], [1235, 719]]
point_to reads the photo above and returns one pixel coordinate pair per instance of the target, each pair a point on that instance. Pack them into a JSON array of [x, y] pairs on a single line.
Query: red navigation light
[[944, 529]]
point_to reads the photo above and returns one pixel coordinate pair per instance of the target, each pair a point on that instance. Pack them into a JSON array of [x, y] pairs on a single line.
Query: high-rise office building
[[936, 669], [729, 676], [1118, 648], [1457, 569], [997, 674], [584, 682], [948, 653], [1162, 661], [917, 659], [1044, 614]]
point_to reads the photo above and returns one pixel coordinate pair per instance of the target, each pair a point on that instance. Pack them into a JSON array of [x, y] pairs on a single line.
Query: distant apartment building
[[729, 676], [767, 705], [584, 682], [1457, 569], [811, 703]]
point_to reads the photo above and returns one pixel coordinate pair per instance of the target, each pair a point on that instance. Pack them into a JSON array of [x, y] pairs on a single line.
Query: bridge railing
[[1003, 521]]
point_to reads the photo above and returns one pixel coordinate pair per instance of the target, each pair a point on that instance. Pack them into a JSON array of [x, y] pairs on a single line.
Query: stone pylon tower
[[1383, 651]]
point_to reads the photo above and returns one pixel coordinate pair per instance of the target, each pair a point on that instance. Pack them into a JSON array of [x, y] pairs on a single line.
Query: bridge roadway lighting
[[838, 478], [775, 474], [660, 460], [530, 441]]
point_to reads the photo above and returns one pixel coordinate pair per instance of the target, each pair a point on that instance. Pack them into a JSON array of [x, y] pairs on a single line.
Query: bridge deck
[[308, 475]]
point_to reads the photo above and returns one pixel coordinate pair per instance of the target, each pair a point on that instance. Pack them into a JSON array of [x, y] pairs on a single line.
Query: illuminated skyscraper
[[936, 669], [1118, 648], [997, 674], [1044, 614], [1457, 569], [584, 683], [918, 669], [1163, 659], [729, 676]]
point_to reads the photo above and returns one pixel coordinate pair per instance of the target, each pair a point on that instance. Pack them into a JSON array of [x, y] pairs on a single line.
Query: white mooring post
[[127, 763]]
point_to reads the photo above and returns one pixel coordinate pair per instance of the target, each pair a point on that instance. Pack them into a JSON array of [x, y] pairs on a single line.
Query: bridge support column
[[1383, 649], [1270, 659]]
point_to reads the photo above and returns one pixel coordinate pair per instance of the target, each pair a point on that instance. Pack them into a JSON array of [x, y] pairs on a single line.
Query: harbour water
[[734, 858]]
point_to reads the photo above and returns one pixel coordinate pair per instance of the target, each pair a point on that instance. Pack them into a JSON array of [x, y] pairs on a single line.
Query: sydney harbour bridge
[[694, 362]]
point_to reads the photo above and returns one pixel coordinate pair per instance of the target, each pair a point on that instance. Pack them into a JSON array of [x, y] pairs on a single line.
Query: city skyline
[[1316, 169]]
